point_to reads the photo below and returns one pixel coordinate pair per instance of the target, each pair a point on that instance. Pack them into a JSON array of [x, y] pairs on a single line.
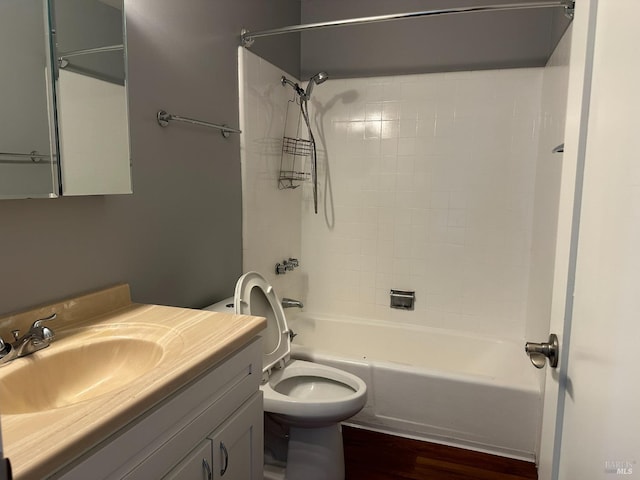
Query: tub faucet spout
[[290, 302]]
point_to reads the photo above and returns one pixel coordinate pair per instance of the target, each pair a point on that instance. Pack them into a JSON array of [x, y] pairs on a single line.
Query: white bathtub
[[437, 385]]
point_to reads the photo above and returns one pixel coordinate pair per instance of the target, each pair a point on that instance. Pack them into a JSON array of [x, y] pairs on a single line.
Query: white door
[[591, 424]]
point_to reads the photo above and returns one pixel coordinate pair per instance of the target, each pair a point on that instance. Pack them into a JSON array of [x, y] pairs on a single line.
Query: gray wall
[[523, 38], [177, 240]]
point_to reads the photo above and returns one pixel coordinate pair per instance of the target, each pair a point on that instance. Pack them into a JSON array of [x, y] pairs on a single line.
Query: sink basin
[[55, 378]]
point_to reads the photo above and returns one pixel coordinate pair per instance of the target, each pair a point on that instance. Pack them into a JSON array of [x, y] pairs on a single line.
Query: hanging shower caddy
[[295, 150]]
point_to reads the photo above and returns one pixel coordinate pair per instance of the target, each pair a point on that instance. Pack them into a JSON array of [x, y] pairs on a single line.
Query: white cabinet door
[[238, 444], [196, 466]]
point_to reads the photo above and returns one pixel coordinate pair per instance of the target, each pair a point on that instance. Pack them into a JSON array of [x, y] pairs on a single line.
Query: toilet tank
[[224, 306]]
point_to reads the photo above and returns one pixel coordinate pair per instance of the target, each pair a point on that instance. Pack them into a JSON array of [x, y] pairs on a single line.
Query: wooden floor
[[376, 456]]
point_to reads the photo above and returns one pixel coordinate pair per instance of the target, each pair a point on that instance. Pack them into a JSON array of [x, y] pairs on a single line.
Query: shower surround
[[427, 184]]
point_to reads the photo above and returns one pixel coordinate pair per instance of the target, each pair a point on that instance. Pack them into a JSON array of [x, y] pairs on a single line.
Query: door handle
[[539, 352], [207, 469], [225, 454]]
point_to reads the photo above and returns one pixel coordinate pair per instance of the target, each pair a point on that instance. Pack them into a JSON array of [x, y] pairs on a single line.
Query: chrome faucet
[[37, 338], [290, 302]]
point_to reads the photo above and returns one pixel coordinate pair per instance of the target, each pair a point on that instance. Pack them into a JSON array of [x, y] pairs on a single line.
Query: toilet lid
[[255, 296]]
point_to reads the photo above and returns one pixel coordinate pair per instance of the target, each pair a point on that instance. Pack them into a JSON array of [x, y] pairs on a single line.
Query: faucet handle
[[7, 353], [4, 348], [46, 333], [38, 323]]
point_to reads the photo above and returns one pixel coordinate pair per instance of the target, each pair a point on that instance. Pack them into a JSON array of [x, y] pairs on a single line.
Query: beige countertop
[[191, 341]]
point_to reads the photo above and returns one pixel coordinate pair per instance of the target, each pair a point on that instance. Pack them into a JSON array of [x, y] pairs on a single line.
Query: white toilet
[[304, 401]]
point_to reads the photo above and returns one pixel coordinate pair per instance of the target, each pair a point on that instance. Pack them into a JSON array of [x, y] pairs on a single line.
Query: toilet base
[[315, 453]]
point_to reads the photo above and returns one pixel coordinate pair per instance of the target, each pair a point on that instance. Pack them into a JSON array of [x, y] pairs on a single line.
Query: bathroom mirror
[[65, 127], [28, 156], [91, 96]]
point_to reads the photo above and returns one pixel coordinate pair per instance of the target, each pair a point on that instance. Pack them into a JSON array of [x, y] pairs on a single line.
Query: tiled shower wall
[[426, 183], [271, 222], [547, 190]]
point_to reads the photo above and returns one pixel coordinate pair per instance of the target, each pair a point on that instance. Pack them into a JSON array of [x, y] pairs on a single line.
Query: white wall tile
[[444, 191], [271, 217], [544, 209]]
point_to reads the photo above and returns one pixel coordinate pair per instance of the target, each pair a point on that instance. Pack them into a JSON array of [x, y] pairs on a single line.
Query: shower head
[[320, 77], [317, 79]]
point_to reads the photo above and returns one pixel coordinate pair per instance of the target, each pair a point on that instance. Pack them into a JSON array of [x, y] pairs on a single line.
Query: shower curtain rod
[[247, 37]]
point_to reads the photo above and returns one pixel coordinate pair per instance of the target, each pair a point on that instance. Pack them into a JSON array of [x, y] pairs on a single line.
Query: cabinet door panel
[[238, 444], [193, 467]]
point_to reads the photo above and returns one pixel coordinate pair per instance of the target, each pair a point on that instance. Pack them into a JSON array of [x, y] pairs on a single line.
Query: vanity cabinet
[[216, 418]]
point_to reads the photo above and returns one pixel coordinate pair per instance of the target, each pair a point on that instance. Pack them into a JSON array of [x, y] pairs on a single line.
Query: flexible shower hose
[[304, 108]]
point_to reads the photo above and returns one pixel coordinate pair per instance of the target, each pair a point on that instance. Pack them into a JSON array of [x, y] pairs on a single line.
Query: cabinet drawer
[[166, 433]]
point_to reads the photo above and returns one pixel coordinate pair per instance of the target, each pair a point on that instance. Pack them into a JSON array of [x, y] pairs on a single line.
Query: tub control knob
[[539, 352]]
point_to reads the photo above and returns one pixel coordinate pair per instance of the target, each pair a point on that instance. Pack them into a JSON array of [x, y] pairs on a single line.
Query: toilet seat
[[323, 393], [255, 296]]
